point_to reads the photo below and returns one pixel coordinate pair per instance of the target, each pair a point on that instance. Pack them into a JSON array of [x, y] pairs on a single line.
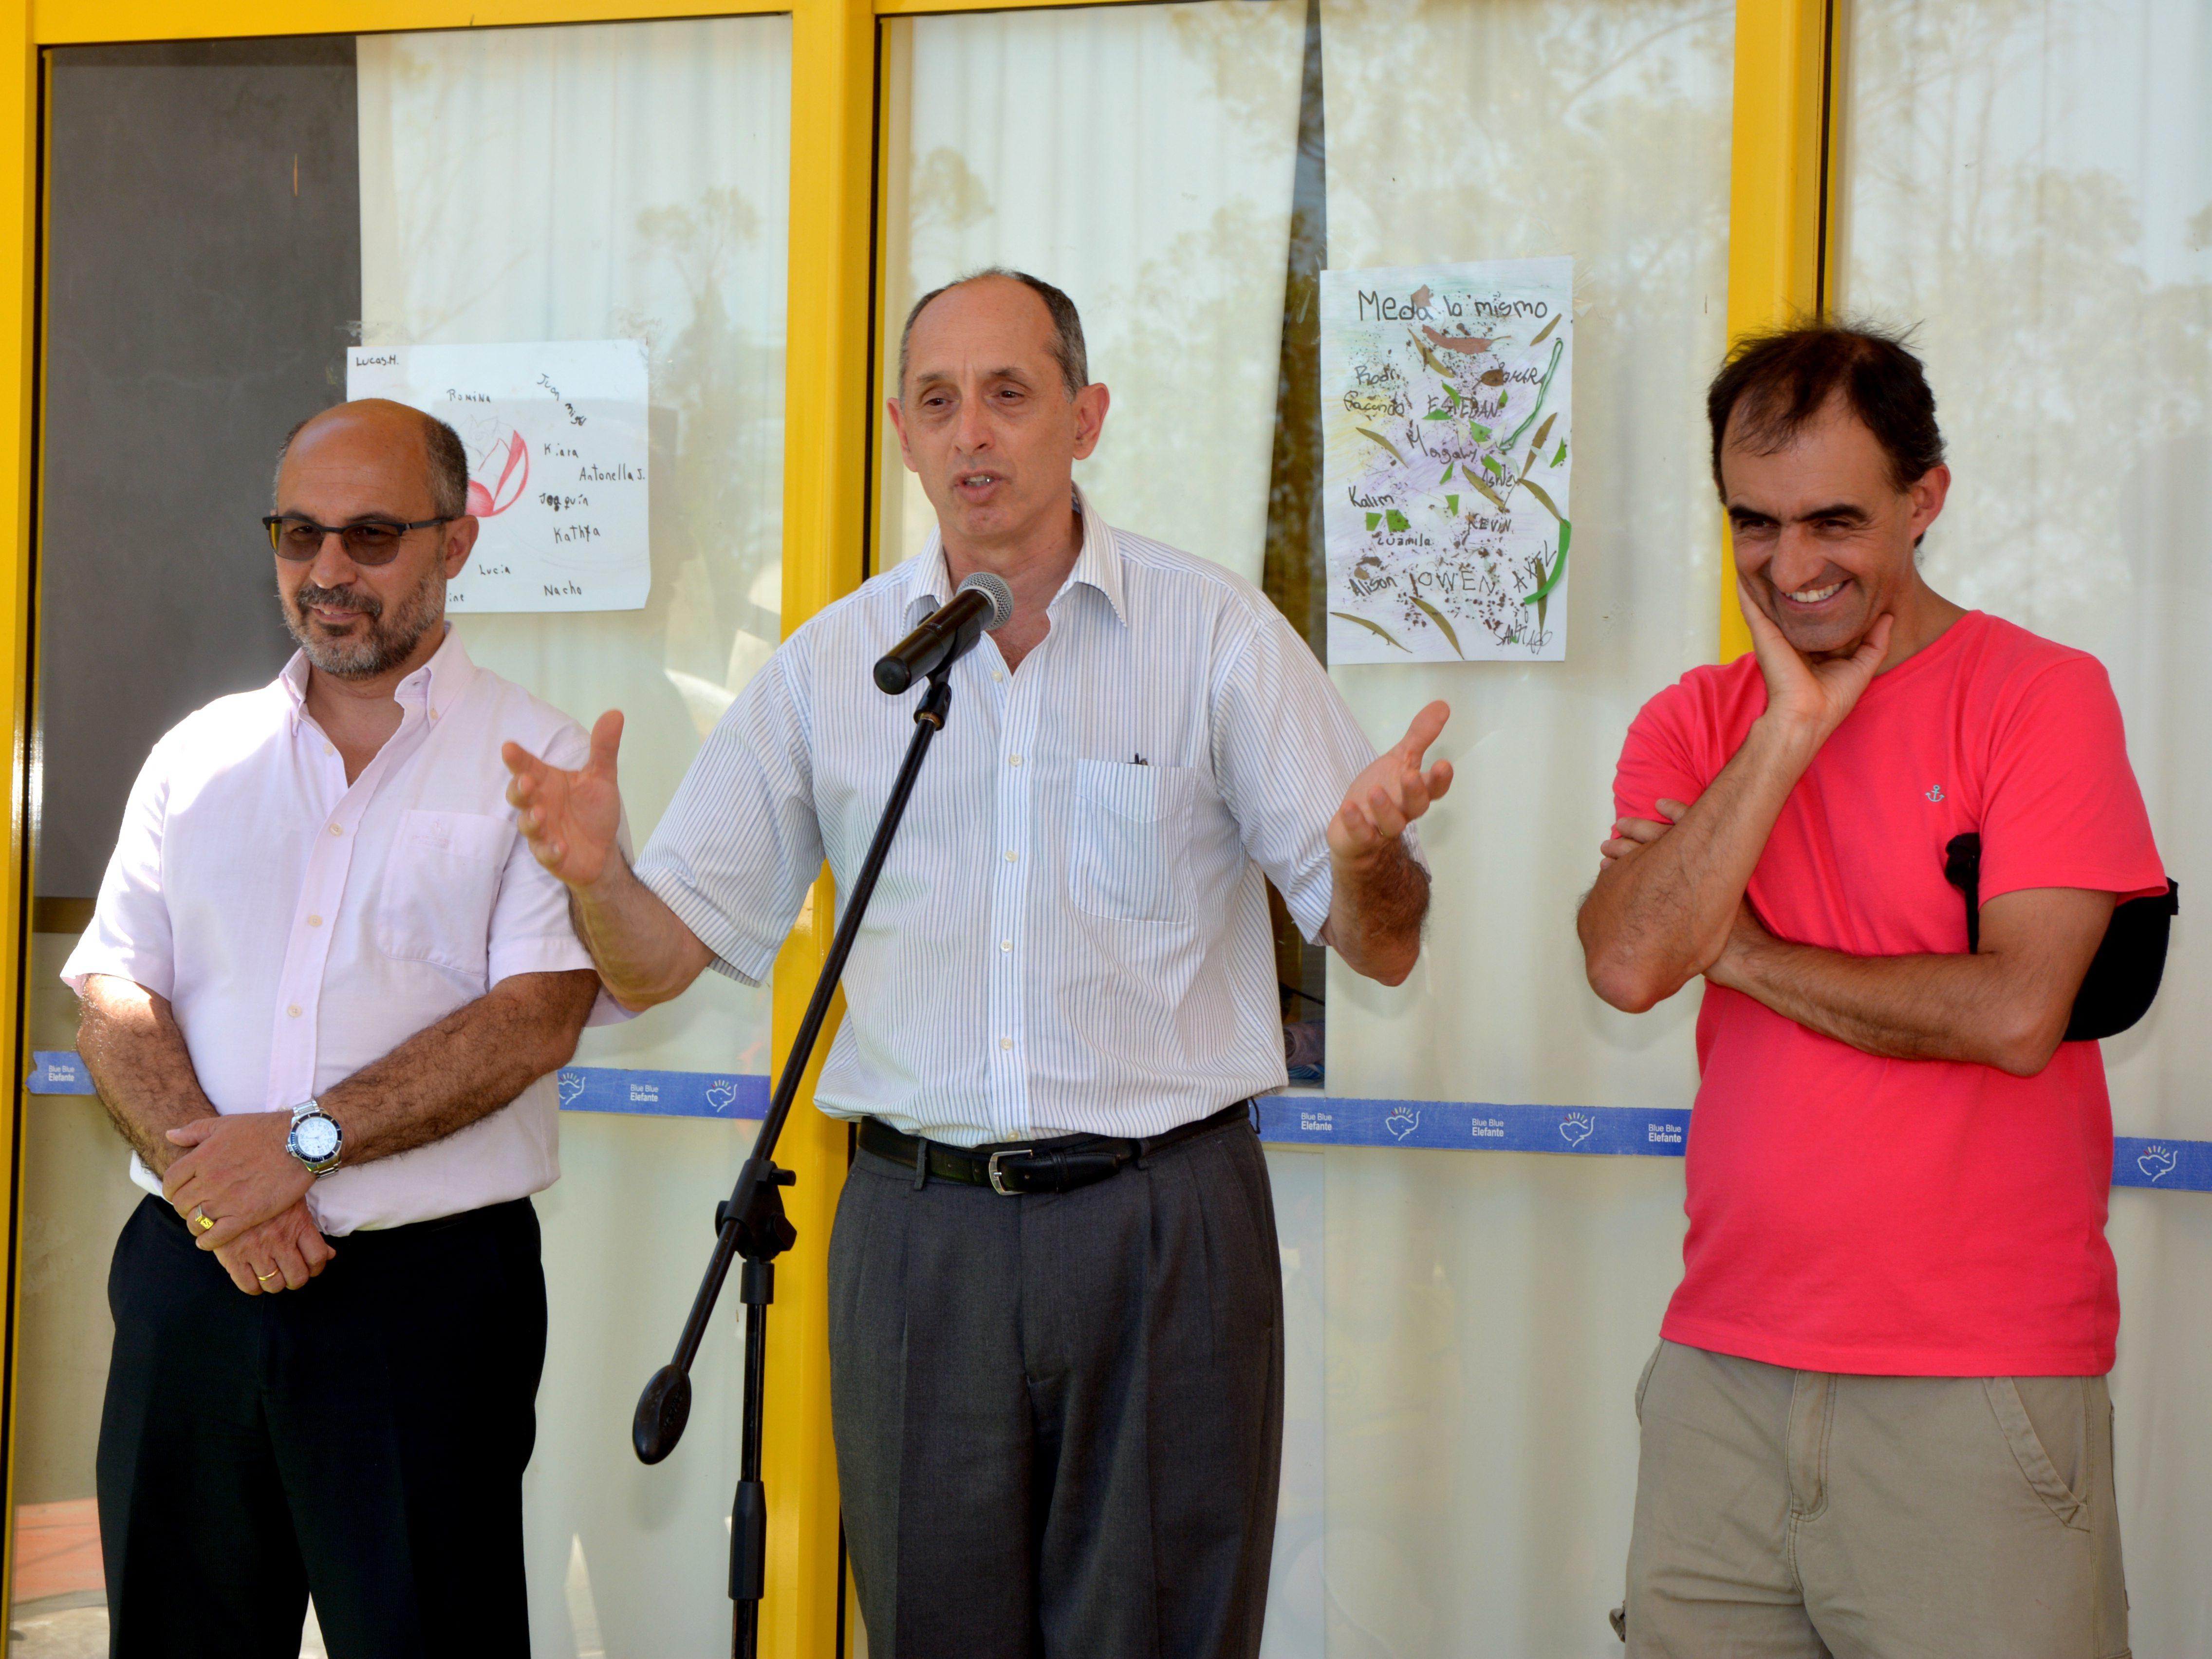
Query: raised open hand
[[1812, 698], [570, 819], [1392, 791]]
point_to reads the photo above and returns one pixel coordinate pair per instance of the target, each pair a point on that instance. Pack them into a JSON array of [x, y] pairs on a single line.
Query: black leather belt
[[1059, 1165]]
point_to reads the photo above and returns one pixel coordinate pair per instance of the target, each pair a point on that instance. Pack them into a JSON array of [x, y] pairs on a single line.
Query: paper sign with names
[[558, 437], [1447, 444]]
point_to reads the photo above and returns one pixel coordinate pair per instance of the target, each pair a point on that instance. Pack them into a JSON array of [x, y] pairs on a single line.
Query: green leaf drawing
[[1373, 627], [1550, 369], [1547, 329], [1374, 519], [1544, 431], [1370, 432], [1490, 465], [1481, 433], [1398, 520], [1447, 477], [1504, 398], [1562, 455], [1437, 415], [1451, 393], [1537, 490], [1438, 618], [1451, 506], [1488, 495], [1558, 567]]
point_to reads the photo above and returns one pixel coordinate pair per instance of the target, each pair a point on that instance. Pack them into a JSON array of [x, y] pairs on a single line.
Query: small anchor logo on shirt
[[1936, 793]]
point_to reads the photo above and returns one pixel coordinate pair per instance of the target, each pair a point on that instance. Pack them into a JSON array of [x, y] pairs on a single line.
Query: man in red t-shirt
[[1877, 1421]]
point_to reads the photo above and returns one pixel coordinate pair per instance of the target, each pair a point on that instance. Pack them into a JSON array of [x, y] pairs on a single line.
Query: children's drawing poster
[[557, 440], [1447, 427]]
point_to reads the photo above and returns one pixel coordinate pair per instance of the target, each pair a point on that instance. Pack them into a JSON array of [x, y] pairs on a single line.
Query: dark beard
[[382, 644]]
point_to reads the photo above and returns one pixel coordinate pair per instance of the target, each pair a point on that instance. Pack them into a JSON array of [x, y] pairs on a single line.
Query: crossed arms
[[235, 1168], [1669, 905]]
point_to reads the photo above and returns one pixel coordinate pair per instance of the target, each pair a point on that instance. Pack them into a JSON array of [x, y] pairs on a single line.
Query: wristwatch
[[316, 1140]]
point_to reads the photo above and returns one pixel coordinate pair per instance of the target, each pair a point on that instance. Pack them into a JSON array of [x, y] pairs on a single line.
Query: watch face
[[317, 1138]]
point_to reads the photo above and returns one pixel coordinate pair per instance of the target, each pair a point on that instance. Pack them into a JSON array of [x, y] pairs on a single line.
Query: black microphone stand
[[750, 1224]]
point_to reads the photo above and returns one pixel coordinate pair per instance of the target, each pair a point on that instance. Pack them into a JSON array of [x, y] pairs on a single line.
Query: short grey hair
[[1066, 326], [448, 456]]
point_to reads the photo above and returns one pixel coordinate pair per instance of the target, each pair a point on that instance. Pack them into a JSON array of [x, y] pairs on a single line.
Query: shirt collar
[[434, 688], [1097, 564]]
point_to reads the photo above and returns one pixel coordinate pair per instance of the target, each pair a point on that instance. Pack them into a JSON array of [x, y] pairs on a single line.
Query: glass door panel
[[2029, 190], [514, 187]]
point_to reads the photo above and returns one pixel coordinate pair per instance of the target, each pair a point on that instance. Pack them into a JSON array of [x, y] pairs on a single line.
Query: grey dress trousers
[[1058, 1416]]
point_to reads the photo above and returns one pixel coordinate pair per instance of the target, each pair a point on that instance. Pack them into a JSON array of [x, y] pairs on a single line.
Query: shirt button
[[1005, 1042], [1010, 855], [1013, 760], [998, 673], [335, 830], [327, 750], [1005, 945], [294, 1009], [314, 921]]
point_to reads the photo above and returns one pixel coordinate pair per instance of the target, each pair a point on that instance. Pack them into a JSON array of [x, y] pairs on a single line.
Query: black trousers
[[1059, 1418], [363, 1438]]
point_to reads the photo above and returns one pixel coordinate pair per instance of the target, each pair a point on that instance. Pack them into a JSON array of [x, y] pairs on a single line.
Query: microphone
[[983, 601]]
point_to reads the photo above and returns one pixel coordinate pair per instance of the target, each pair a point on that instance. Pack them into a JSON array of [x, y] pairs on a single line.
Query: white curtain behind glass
[[591, 183], [1140, 158], [1485, 1315], [2031, 185]]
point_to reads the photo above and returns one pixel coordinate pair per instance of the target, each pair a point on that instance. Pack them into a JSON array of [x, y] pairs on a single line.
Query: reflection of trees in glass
[[2058, 360], [725, 389], [1522, 129]]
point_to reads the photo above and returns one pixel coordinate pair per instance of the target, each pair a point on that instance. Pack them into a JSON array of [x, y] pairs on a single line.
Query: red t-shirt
[[1902, 1216]]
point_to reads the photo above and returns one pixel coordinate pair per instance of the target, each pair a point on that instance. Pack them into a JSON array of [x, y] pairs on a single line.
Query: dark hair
[[1066, 327], [448, 456], [1781, 381]]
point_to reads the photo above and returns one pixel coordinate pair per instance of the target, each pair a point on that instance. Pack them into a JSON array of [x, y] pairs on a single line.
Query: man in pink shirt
[[1877, 1422]]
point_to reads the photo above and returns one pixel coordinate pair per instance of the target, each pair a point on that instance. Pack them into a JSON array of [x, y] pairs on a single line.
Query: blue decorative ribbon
[[1284, 1120]]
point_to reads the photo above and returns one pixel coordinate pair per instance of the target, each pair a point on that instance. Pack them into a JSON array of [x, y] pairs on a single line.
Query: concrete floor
[[76, 1628]]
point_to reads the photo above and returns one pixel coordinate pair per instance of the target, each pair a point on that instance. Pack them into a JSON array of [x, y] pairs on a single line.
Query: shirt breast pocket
[[438, 887], [1129, 861]]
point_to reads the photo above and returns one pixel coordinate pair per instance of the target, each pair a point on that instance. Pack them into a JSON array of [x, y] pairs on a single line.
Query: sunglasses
[[367, 541]]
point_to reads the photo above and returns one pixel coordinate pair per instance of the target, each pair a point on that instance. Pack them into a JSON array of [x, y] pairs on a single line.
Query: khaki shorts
[[1819, 1516]]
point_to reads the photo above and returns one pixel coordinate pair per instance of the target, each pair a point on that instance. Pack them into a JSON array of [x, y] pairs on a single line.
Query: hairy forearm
[[643, 951], [1659, 917], [136, 1056], [1969, 1008], [1376, 908], [468, 1066]]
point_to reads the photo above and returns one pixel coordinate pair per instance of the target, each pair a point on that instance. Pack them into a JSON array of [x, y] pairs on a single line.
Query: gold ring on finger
[[265, 1278]]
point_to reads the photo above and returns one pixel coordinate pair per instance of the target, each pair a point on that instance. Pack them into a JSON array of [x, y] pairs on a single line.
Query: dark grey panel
[[203, 275]]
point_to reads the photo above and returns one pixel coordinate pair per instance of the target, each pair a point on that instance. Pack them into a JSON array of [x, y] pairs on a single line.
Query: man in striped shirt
[[1056, 1312]]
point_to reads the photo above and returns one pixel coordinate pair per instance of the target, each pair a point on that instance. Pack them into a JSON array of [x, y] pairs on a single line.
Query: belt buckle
[[991, 1169]]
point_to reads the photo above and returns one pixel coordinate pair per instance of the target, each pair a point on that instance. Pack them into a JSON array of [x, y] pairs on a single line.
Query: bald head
[[373, 426], [1060, 317]]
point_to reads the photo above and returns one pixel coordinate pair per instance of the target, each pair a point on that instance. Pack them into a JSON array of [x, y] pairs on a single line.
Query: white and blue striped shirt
[[1071, 934]]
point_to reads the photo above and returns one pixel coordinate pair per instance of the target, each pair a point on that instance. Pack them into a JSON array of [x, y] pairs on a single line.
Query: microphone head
[[993, 588]]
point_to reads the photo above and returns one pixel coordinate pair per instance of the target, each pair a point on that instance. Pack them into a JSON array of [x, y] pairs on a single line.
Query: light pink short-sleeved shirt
[[301, 927]]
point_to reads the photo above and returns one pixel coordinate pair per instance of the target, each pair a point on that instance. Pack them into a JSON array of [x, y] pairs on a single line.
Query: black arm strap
[[2124, 976]]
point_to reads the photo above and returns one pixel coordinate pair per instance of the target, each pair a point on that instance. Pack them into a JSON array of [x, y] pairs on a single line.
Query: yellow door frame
[[1778, 182]]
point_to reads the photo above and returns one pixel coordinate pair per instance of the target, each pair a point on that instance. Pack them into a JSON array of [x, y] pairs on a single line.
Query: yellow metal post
[[826, 466], [19, 198], [1775, 179]]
